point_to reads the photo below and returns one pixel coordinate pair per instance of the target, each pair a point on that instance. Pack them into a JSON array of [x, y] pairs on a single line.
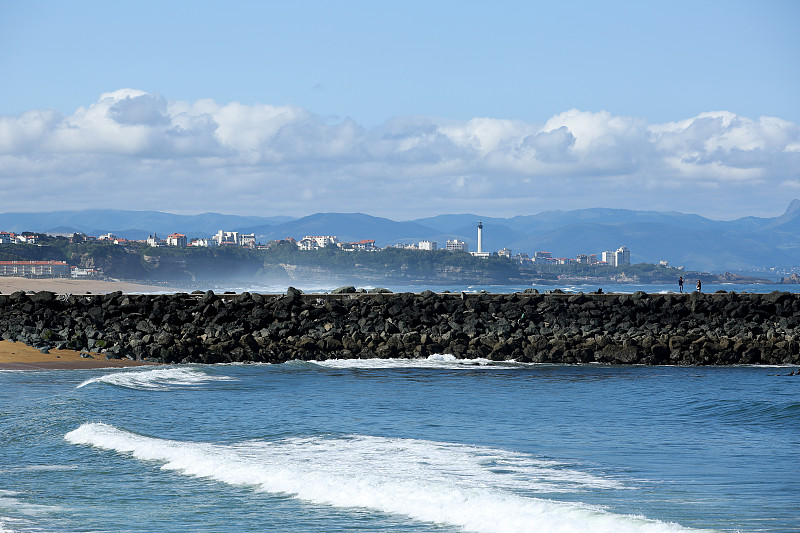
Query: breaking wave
[[476, 488], [442, 361], [159, 379]]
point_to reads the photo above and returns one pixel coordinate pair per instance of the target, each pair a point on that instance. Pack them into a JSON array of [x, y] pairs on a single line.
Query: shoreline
[[19, 356], [12, 284]]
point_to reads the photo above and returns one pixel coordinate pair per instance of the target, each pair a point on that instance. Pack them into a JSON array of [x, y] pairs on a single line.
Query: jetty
[[651, 329]]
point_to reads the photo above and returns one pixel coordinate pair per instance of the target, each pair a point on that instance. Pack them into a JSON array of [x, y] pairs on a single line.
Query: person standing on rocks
[[699, 286], [680, 284]]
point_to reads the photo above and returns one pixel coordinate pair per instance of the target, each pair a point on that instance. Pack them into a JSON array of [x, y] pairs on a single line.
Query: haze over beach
[[647, 140]]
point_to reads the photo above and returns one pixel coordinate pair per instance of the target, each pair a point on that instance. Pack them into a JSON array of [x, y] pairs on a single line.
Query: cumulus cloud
[[138, 150]]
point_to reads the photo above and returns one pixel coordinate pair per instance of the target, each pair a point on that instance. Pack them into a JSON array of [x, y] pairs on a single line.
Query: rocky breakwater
[[683, 329]]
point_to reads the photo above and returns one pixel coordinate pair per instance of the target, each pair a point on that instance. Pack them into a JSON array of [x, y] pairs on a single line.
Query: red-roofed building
[[364, 244], [176, 239], [49, 269], [27, 239]]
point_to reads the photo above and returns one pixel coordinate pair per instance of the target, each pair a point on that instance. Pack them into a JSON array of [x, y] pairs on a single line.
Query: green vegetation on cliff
[[284, 260], [140, 261]]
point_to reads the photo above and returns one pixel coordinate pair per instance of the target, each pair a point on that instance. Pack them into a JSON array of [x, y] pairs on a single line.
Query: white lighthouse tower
[[480, 252]]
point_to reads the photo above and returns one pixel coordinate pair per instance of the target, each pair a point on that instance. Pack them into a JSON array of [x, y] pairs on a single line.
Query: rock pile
[[640, 328]]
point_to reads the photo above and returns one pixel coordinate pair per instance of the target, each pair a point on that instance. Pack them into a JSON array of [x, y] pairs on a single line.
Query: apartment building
[[53, 269]]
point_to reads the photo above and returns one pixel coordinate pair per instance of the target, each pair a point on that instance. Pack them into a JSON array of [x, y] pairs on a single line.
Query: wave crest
[[158, 379], [472, 487], [439, 361]]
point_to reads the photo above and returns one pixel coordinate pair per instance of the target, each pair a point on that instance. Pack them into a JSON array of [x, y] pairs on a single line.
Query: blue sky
[[401, 109]]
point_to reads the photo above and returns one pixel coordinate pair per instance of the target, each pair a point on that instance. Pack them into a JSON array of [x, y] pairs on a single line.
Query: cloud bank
[[135, 150]]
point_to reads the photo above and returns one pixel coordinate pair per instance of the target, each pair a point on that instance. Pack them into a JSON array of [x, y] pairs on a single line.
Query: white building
[[610, 258], [248, 239], [366, 245], [311, 242], [107, 237], [76, 272], [505, 252], [324, 240], [428, 245], [205, 243], [6, 237], [307, 244], [154, 241], [27, 239], [456, 244], [223, 238], [176, 239], [622, 257]]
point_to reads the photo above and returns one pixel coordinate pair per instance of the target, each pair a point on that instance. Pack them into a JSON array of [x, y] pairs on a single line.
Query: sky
[[400, 109]]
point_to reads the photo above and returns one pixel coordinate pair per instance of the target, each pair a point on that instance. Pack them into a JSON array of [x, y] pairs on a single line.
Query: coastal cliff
[[639, 328]]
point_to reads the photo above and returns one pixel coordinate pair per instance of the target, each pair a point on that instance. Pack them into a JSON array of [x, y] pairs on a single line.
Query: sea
[[400, 445], [572, 288]]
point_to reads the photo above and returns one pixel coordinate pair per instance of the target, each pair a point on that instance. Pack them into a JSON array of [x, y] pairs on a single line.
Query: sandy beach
[[76, 286], [17, 356]]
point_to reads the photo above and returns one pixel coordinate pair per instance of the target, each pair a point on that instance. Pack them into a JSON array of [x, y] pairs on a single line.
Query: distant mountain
[[129, 224], [693, 241], [690, 240], [651, 242], [456, 223]]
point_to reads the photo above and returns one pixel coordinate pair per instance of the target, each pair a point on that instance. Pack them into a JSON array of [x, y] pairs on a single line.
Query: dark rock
[[723, 328], [43, 297], [349, 289], [293, 294]]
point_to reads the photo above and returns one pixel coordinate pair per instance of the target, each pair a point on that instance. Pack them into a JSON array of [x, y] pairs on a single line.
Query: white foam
[[157, 379], [441, 361], [4, 528], [11, 500], [475, 488], [37, 468]]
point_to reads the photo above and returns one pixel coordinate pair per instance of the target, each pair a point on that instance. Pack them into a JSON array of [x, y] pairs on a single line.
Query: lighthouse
[[480, 252]]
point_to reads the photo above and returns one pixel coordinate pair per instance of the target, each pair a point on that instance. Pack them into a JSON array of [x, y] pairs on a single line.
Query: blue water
[[622, 288], [398, 445]]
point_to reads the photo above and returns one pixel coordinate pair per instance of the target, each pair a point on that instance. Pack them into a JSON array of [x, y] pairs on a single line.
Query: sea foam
[[14, 501], [475, 488], [159, 379], [439, 361]]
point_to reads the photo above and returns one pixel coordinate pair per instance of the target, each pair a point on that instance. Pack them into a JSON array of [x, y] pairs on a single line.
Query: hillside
[[688, 240]]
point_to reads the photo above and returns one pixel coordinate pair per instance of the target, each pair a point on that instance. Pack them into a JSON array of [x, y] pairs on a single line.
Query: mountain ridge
[[683, 239]]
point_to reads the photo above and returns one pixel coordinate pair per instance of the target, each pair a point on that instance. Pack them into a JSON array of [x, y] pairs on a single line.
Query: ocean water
[[434, 445], [621, 288]]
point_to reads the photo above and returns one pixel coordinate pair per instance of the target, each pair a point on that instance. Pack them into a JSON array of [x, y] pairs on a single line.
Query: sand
[[76, 286], [17, 356]]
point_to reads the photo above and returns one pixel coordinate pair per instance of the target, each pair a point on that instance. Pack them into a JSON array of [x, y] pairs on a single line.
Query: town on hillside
[[540, 266], [53, 268]]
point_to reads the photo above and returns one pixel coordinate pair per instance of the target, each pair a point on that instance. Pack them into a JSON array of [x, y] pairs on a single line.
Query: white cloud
[[138, 150]]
